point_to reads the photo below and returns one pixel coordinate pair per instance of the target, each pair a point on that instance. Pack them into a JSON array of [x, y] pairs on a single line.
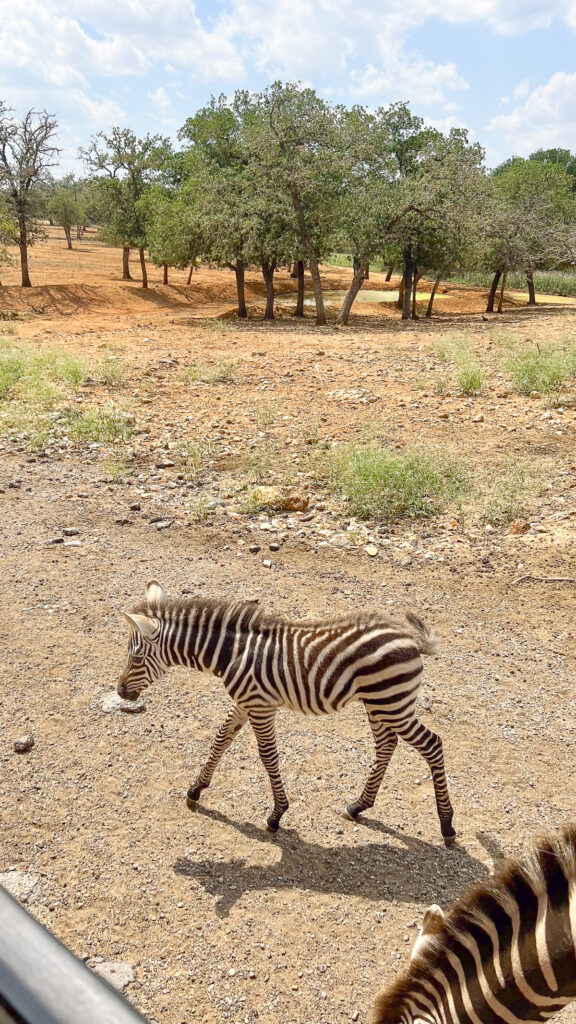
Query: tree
[[171, 228], [294, 141], [125, 165], [529, 222], [27, 151], [65, 208]]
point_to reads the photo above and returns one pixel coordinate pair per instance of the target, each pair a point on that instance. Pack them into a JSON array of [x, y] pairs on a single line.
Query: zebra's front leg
[[263, 724], [429, 745], [385, 742], [226, 733]]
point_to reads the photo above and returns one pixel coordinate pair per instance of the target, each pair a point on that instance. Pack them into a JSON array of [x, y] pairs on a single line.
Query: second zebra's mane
[[549, 865], [176, 608]]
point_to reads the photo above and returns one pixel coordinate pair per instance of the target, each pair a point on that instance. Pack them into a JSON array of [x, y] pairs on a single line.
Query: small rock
[[519, 526], [24, 743], [267, 563], [118, 973], [163, 524], [55, 540], [443, 415], [134, 506], [478, 419], [165, 464], [274, 546], [72, 543], [371, 550], [70, 531], [254, 549], [20, 884], [124, 521], [112, 701]]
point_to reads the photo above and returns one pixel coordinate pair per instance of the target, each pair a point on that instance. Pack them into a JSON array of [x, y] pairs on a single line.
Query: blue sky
[[505, 71]]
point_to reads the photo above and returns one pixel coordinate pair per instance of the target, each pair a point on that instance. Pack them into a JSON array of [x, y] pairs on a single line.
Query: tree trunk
[[126, 276], [312, 261], [360, 275], [433, 295], [415, 281], [492, 292], [409, 269], [268, 268], [190, 274], [78, 232], [300, 296], [68, 234], [239, 271], [504, 276], [164, 273], [23, 245], [400, 299], [531, 288], [294, 269], [390, 272], [143, 265]]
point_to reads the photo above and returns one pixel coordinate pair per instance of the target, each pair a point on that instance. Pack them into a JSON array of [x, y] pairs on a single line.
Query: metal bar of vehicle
[[42, 982]]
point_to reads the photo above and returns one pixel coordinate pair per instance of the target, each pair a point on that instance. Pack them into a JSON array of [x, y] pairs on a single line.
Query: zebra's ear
[[147, 627], [155, 597], [432, 923]]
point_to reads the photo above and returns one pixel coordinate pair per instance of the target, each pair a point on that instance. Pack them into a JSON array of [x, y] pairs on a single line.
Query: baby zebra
[[267, 663], [505, 952]]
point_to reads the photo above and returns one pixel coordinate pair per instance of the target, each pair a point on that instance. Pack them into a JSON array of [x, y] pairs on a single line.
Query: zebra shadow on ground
[[414, 871]]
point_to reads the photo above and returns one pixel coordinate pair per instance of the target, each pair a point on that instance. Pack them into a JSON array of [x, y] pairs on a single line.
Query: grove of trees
[[283, 178]]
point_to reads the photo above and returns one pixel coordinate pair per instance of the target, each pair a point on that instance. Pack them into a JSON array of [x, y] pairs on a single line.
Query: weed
[[195, 455], [265, 414], [115, 469], [200, 508], [508, 496], [104, 425], [456, 349], [223, 372], [543, 368], [381, 484], [218, 326], [441, 386]]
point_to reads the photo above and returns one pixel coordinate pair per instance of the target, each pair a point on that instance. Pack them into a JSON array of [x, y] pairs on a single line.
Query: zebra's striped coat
[[267, 663], [504, 953]]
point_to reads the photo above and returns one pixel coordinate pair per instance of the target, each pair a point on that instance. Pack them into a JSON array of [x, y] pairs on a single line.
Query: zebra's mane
[[537, 867], [177, 608]]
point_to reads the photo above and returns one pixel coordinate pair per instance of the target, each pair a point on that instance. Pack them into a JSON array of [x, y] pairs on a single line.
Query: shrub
[[387, 485], [508, 497], [544, 368]]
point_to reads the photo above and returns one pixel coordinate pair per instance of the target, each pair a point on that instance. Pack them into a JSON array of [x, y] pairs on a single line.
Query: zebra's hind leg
[[385, 741], [429, 745], [263, 724], [226, 733]]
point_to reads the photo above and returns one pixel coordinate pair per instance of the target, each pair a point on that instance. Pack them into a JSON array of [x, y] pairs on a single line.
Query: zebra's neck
[[208, 635]]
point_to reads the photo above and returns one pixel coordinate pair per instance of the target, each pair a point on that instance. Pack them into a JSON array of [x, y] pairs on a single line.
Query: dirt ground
[[219, 920]]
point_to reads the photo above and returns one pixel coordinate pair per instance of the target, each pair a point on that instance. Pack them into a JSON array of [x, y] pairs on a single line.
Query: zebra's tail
[[422, 636]]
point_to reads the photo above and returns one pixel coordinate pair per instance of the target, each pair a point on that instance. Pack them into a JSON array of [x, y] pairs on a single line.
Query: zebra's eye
[[138, 660]]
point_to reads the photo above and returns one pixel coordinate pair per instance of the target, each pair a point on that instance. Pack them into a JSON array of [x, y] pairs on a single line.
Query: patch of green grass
[[265, 414], [547, 282], [222, 372], [508, 497], [38, 376], [218, 326], [386, 485], [541, 368], [456, 349], [105, 425]]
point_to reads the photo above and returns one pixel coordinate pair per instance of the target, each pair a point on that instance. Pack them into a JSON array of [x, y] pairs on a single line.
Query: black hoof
[[448, 833], [450, 840], [273, 823], [352, 811], [192, 804], [193, 793]]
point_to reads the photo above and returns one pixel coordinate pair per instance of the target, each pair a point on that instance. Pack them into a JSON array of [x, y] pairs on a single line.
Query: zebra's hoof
[[272, 824], [352, 811], [192, 804], [449, 840], [194, 793]]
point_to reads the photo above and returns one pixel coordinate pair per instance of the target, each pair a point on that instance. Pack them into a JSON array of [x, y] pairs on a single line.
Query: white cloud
[[521, 89], [546, 118], [409, 78], [160, 99]]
